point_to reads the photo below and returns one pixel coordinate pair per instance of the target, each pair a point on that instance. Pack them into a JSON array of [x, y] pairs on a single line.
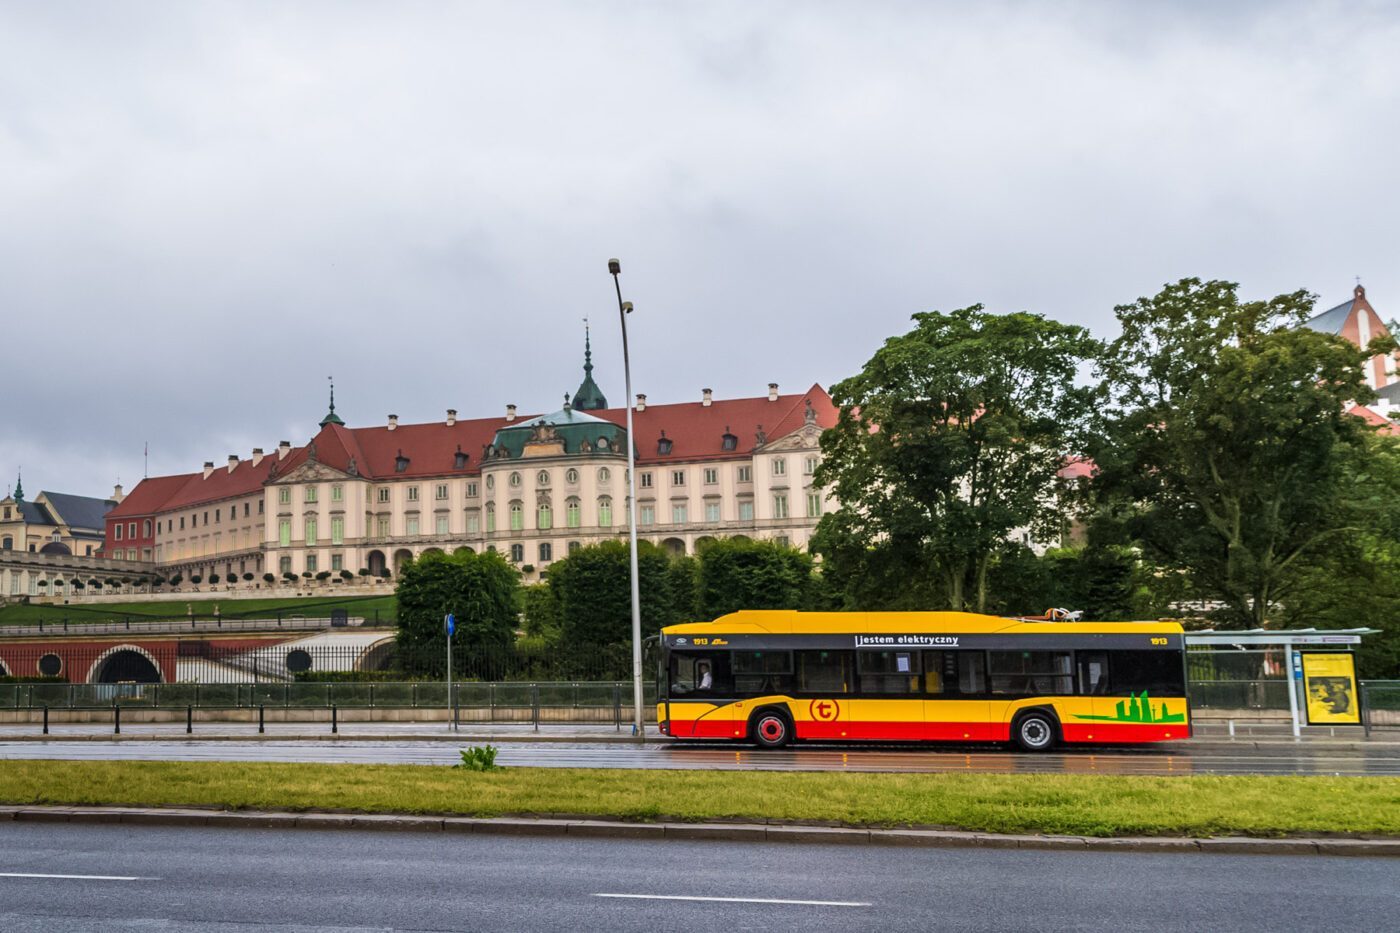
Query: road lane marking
[[28, 874], [736, 900]]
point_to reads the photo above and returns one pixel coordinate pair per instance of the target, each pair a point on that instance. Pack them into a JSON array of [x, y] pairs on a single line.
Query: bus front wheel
[[771, 729], [1034, 731]]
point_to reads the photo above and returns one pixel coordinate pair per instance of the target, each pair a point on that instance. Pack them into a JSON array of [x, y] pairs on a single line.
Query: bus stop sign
[[449, 624]]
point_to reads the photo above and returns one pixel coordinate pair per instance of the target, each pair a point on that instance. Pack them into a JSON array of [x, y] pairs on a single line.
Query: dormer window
[[400, 462], [663, 446], [730, 441], [459, 459]]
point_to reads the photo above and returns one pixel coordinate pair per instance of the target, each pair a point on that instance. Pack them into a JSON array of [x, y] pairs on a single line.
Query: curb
[[729, 832]]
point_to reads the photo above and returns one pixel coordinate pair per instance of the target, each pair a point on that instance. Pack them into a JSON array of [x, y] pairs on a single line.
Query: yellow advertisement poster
[[1330, 681]]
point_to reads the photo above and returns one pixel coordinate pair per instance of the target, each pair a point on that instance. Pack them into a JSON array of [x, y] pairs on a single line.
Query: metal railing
[[1380, 704]]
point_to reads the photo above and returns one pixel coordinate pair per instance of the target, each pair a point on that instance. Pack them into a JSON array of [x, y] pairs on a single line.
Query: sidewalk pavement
[[1209, 739], [733, 832]]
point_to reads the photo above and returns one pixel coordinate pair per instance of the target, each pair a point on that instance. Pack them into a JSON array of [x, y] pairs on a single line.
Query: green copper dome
[[588, 397]]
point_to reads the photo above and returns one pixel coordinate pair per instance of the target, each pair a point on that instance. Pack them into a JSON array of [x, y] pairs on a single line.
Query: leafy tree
[[541, 611], [478, 589], [592, 587], [949, 439], [736, 573], [1224, 444], [683, 575]]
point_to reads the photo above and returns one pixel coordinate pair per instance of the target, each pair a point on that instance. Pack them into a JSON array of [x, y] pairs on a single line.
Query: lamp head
[[627, 307], [614, 266]]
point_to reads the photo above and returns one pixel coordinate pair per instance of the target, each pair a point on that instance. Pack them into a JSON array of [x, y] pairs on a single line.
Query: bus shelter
[[1319, 665]]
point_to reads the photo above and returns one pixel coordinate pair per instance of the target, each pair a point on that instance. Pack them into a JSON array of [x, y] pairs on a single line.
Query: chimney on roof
[[232, 462], [510, 412], [772, 391], [283, 448], [208, 468], [117, 494], [393, 422], [707, 397], [257, 455], [451, 417], [641, 401]]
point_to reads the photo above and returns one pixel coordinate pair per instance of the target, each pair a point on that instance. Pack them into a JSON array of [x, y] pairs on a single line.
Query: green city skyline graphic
[[1138, 709]]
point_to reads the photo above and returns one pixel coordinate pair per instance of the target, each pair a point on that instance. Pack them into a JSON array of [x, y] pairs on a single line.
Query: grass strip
[[1089, 805]]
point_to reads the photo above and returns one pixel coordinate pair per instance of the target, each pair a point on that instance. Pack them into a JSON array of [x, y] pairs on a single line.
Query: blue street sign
[[449, 623]]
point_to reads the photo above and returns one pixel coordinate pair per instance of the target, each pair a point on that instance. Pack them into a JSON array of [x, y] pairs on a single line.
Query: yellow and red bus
[[773, 677]]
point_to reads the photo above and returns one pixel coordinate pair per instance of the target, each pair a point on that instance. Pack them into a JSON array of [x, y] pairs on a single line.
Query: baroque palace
[[531, 487]]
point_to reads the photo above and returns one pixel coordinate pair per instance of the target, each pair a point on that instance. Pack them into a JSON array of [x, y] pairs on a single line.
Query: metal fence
[[76, 618], [1380, 704]]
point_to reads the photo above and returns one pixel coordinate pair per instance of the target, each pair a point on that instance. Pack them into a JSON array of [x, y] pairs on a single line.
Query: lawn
[[1091, 805], [203, 606]]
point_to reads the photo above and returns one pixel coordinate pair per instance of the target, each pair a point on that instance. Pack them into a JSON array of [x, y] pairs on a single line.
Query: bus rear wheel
[[771, 729], [1034, 731]]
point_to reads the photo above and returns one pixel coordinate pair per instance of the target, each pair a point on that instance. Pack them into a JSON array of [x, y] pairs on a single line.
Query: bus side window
[[972, 672], [888, 672], [687, 673], [934, 676], [1093, 673], [757, 673], [825, 673]]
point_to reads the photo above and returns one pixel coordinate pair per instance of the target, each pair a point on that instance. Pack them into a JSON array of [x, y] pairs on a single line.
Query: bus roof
[[792, 622]]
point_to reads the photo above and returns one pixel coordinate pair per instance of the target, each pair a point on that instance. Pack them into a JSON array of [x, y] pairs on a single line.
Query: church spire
[[588, 397], [19, 486], [331, 416]]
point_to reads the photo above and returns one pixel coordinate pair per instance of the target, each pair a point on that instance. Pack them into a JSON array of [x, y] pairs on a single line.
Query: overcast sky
[[205, 209]]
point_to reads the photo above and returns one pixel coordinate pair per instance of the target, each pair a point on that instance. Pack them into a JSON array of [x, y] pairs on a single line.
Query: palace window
[[517, 516], [604, 474], [146, 528], [515, 479], [572, 513], [711, 476], [412, 493], [544, 517], [571, 476], [118, 529], [678, 513], [490, 516], [648, 515], [490, 481], [746, 511], [284, 532], [473, 523], [644, 480], [310, 493], [337, 493], [573, 546], [383, 493], [678, 477], [471, 490], [337, 529], [442, 524], [814, 504], [440, 494], [411, 525], [779, 466], [517, 552], [780, 506], [711, 511], [809, 466], [284, 565], [130, 531], [284, 496], [382, 526], [546, 552], [311, 564], [542, 478], [605, 511], [310, 529], [337, 563], [745, 474]]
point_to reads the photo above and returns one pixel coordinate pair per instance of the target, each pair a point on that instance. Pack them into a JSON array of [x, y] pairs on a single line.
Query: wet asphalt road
[[1271, 759], [80, 877]]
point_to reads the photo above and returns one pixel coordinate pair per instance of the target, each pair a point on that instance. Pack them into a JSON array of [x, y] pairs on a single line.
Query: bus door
[[956, 707], [825, 684], [1083, 717]]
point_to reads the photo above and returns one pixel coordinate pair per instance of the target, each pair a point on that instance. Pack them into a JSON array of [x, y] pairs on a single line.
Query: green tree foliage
[[949, 439], [479, 589], [1355, 581], [736, 573], [1224, 446], [1106, 583], [683, 575], [541, 611], [593, 590]]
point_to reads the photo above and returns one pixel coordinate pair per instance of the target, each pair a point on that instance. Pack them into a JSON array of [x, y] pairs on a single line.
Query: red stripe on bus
[[1112, 732]]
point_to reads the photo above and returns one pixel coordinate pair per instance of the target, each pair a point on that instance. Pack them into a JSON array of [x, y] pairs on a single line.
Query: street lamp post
[[623, 309]]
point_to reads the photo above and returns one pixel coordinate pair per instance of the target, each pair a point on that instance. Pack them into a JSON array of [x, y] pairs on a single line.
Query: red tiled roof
[[150, 495], [1373, 418], [697, 432]]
